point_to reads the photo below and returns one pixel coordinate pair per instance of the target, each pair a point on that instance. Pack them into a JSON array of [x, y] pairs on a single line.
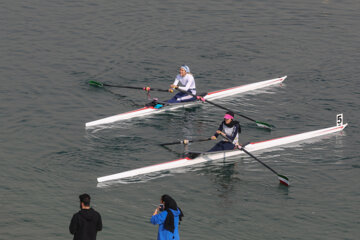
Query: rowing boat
[[157, 108], [211, 156]]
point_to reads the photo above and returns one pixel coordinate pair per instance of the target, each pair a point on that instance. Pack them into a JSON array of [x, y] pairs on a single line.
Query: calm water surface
[[51, 49]]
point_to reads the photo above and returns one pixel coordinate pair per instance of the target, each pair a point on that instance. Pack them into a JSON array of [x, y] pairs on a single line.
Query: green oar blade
[[264, 125], [96, 84], [283, 180]]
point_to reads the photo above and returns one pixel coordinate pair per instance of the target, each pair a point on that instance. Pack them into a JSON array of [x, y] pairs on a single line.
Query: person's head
[[84, 200], [229, 116], [184, 69], [169, 202]]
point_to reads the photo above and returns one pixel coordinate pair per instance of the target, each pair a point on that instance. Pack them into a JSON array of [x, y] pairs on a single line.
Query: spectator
[[168, 217], [87, 222]]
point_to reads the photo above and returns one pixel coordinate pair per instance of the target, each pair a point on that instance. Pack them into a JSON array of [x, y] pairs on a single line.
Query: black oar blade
[[96, 84], [264, 125], [283, 180]]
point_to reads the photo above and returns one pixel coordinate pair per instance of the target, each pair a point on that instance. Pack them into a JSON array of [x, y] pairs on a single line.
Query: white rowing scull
[[209, 96], [211, 156]]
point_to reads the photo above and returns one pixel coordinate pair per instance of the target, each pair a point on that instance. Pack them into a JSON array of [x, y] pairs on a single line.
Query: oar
[[185, 141], [258, 123], [283, 179], [99, 84]]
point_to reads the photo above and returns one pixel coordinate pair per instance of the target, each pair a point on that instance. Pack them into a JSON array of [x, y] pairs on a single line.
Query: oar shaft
[[171, 143], [119, 86], [283, 179], [140, 88], [200, 140], [217, 105], [183, 141], [98, 84], [243, 149]]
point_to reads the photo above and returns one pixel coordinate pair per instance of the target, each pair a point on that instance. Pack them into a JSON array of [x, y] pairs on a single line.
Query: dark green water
[[51, 49]]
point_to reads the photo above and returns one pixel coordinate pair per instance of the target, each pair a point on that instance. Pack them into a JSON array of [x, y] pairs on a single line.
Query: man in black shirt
[[87, 222]]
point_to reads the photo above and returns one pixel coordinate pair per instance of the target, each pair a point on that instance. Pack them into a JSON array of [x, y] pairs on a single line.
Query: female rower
[[168, 219], [229, 128], [188, 82]]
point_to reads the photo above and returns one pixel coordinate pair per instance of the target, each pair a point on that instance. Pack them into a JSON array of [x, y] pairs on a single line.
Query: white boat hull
[[252, 147], [210, 96]]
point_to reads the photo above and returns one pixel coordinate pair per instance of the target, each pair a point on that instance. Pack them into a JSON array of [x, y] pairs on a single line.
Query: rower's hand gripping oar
[[258, 123], [185, 141], [99, 84], [283, 179]]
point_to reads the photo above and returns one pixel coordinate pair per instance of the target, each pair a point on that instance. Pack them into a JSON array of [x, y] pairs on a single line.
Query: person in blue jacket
[[168, 216]]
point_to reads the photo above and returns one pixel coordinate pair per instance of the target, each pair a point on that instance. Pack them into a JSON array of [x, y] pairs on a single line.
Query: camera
[[161, 207]]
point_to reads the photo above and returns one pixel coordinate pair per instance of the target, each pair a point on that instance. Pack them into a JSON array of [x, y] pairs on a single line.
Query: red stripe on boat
[[137, 110]]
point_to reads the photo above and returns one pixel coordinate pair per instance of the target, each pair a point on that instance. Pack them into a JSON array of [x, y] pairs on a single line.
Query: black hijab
[[170, 203]]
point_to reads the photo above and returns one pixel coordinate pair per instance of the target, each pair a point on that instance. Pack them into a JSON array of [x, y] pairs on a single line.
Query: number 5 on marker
[[339, 119]]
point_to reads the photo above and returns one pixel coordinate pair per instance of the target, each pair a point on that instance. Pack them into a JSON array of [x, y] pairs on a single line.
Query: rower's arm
[[176, 81], [186, 87], [220, 129], [188, 84]]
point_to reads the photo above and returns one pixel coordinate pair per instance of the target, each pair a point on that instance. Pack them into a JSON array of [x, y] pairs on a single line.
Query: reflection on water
[[224, 176]]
